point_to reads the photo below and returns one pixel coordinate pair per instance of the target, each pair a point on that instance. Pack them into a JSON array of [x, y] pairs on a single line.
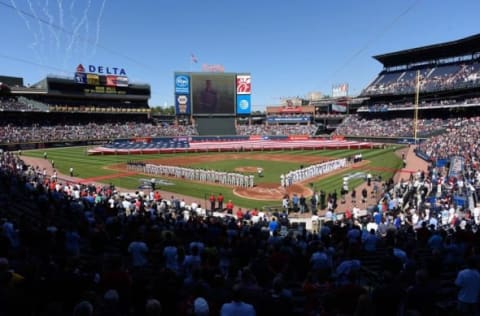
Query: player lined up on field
[[312, 171], [213, 176]]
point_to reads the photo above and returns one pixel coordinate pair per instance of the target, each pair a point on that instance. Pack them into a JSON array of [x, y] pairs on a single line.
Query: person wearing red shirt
[[348, 214], [212, 202], [156, 196], [239, 214], [229, 207], [220, 201]]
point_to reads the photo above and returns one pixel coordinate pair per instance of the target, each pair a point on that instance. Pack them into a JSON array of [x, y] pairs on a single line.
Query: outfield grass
[[383, 162]]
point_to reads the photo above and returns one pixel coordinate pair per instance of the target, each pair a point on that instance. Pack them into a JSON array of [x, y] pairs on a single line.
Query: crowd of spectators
[[461, 139], [276, 129], [330, 115], [23, 104], [91, 249], [356, 125], [13, 104], [432, 78], [424, 104], [12, 133], [19, 132]]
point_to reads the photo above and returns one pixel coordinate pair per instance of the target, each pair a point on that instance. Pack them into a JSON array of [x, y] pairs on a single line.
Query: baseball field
[[111, 169]]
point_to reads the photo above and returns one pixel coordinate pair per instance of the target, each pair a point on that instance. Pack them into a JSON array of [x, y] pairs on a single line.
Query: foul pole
[[415, 112]]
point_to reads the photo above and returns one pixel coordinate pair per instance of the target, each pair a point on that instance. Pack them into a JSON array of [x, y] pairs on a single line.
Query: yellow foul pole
[[415, 118]]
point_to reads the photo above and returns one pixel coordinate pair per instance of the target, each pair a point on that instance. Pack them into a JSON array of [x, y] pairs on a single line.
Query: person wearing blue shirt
[[377, 217], [273, 225], [468, 282], [295, 201], [344, 269], [435, 242], [370, 242], [397, 222]]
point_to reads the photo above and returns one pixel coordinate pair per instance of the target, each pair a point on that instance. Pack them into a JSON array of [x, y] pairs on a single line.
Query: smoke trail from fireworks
[[97, 34], [50, 23], [76, 28], [41, 34], [21, 15], [60, 13], [34, 44]]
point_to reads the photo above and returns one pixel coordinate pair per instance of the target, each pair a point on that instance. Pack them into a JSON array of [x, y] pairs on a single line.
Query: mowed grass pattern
[[383, 162]]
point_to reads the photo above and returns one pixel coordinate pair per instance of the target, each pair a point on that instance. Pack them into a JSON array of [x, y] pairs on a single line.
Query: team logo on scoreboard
[[244, 85], [182, 84], [244, 105], [80, 68]]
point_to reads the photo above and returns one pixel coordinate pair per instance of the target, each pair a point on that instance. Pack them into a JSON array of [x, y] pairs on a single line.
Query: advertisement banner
[[122, 81], [339, 108], [111, 81], [93, 80], [182, 104], [80, 77], [244, 85], [340, 90], [244, 104], [213, 68], [422, 155], [182, 84], [291, 109], [298, 137], [293, 119], [457, 165]]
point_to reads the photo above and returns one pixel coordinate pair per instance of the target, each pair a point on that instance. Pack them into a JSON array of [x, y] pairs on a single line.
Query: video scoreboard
[[214, 93]]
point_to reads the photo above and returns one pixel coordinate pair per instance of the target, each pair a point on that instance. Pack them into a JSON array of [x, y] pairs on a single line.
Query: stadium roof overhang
[[462, 47]]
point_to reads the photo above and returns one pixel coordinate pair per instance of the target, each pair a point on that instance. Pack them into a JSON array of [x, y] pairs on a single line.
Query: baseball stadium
[[386, 181]]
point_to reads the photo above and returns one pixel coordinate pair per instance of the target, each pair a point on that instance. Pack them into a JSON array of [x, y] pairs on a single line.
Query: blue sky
[[290, 47]]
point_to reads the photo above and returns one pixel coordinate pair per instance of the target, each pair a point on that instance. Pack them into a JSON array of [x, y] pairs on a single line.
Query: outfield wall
[[215, 125]]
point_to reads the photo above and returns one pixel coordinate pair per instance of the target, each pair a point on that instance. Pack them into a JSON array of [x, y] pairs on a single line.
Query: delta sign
[[103, 70]]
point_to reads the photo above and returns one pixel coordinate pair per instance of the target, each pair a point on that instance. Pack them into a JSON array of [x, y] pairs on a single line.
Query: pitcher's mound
[[271, 191]]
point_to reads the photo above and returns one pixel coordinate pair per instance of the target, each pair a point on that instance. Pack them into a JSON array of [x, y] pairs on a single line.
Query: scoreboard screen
[[213, 93], [94, 83], [65, 86]]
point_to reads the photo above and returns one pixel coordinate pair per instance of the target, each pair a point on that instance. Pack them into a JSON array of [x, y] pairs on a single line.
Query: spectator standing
[[468, 281], [354, 196], [364, 195], [220, 201], [230, 207], [138, 250], [237, 306], [212, 200], [273, 226], [303, 204]]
